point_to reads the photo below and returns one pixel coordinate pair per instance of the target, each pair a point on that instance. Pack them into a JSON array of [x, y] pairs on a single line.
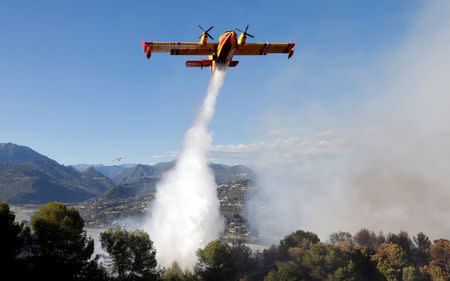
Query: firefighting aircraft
[[221, 53], [118, 159]]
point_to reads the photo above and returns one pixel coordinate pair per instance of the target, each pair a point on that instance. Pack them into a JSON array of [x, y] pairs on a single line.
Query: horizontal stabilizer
[[206, 63], [198, 63]]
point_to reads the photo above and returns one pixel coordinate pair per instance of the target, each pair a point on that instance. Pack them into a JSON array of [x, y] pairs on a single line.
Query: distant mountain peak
[[11, 153], [93, 172], [29, 177]]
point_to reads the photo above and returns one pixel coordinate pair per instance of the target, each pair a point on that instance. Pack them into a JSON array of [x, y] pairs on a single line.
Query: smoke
[[388, 170], [185, 213]]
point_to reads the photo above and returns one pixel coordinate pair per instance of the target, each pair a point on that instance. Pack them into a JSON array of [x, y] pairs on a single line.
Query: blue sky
[[75, 84]]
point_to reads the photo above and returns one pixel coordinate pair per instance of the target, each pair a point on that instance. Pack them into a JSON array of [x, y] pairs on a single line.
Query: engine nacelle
[[149, 53], [242, 39], [291, 53], [204, 40]]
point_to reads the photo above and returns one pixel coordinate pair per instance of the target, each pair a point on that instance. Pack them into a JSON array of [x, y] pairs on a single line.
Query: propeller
[[245, 32], [205, 32]]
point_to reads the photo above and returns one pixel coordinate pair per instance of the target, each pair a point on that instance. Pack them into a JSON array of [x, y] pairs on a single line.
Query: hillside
[[29, 177], [15, 154], [127, 190], [222, 173], [233, 173], [143, 171], [111, 207], [94, 177], [109, 171]]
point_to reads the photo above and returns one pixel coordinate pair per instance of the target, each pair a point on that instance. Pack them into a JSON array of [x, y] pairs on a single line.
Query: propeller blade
[[211, 37], [210, 28], [246, 29], [239, 30], [201, 27], [248, 34]]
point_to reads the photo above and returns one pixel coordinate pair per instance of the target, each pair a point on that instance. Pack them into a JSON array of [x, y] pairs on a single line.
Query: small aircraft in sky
[[221, 53], [118, 159]]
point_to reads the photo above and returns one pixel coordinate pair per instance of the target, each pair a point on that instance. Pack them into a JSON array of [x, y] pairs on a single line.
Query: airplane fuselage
[[225, 50]]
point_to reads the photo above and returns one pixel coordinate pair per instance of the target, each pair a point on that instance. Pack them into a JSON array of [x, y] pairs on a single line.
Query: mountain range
[[109, 171], [29, 177], [15, 154]]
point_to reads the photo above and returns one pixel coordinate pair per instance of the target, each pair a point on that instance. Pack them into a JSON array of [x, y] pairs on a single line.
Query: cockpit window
[[226, 31]]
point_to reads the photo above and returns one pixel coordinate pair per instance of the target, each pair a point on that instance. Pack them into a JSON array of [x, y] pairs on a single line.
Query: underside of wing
[[265, 48], [179, 48]]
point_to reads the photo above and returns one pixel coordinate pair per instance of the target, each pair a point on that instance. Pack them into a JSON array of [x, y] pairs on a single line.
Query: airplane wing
[[265, 48], [179, 48]]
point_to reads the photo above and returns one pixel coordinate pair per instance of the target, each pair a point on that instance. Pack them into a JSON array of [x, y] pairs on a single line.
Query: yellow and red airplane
[[221, 53], [118, 159]]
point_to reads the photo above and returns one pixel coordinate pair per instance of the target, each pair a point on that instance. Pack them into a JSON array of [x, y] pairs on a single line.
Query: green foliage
[[243, 261], [434, 273], [390, 259], [131, 254], [411, 273], [422, 251], [174, 273], [301, 239], [58, 249], [216, 262], [10, 239], [368, 239], [402, 239], [287, 271], [440, 255], [62, 250], [341, 238], [321, 262]]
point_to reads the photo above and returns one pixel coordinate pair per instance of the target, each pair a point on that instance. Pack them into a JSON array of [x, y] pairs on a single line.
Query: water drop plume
[[185, 213]]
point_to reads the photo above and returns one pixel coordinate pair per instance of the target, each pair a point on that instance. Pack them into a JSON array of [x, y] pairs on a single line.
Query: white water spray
[[185, 213]]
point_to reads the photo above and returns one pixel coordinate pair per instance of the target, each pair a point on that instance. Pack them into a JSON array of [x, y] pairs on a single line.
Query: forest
[[56, 247]]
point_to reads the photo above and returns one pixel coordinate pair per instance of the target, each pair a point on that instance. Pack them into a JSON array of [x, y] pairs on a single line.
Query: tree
[[434, 273], [300, 239], [402, 239], [390, 259], [216, 262], [366, 239], [440, 255], [286, 271], [341, 237], [62, 249], [322, 261], [174, 273], [422, 251], [411, 273], [243, 262], [131, 254], [11, 239], [264, 262]]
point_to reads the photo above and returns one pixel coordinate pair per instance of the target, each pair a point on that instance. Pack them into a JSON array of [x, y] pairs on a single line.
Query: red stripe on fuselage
[[226, 48]]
